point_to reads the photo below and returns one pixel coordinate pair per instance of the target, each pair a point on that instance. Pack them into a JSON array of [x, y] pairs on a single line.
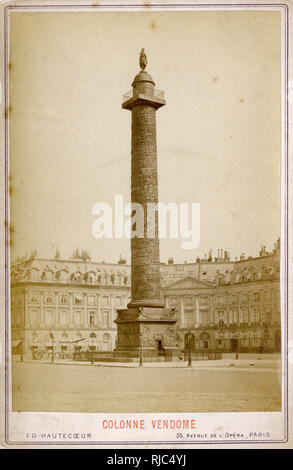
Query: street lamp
[[140, 364], [189, 350], [92, 335]]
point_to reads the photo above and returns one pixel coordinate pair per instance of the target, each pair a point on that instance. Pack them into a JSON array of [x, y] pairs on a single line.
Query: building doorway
[[204, 340], [233, 344], [159, 347], [192, 342]]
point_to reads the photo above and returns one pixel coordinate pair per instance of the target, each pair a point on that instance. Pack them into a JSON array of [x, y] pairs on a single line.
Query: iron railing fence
[[159, 94], [203, 354], [110, 356]]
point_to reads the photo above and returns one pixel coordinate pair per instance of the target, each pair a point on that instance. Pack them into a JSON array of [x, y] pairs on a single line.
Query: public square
[[250, 384]]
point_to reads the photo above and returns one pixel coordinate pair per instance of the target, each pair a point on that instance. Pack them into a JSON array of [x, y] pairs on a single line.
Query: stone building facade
[[241, 316], [69, 299], [225, 305]]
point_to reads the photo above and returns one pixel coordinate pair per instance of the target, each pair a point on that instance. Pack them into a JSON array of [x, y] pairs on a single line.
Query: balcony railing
[[157, 94]]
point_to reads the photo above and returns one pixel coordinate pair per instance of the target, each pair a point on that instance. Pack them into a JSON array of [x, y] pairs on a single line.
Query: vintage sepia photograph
[[145, 175]]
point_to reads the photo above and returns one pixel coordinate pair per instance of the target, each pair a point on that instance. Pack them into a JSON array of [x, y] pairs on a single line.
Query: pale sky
[[218, 137]]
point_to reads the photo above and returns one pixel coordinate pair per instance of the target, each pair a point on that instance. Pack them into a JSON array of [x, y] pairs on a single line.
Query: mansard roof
[[22, 271], [255, 264]]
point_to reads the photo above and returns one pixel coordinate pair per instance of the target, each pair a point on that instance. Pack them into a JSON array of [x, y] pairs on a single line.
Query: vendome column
[[146, 323]]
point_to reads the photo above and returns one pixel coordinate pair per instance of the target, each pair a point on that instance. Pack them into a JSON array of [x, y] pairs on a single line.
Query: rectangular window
[[241, 316], [77, 318], [105, 319], [220, 316], [231, 316], [91, 300], [256, 297], [267, 295], [49, 317], [244, 298], [234, 299], [92, 318], [188, 300], [256, 315], [35, 317], [189, 319], [203, 301], [268, 315], [105, 300], [63, 317]]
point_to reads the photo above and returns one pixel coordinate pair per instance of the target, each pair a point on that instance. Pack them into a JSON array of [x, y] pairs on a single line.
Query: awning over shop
[[15, 343]]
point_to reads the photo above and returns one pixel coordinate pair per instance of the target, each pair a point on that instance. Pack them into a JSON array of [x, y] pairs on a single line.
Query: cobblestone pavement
[[227, 385]]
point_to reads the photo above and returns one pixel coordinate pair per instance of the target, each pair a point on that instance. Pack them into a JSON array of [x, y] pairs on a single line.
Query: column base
[[149, 329]]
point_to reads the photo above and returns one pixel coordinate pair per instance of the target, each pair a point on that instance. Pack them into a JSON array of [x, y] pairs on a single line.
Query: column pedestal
[[150, 328]]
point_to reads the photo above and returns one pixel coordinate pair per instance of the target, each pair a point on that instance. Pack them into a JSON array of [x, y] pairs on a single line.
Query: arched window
[[63, 275], [49, 275], [204, 339], [77, 276]]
